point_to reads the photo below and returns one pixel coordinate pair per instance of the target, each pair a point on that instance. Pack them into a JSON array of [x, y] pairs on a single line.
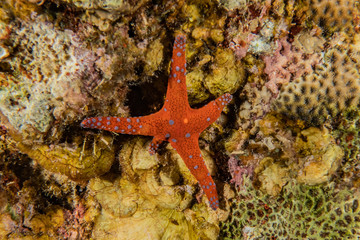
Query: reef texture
[[284, 154], [348, 137], [151, 199], [299, 212], [176, 122], [333, 87]]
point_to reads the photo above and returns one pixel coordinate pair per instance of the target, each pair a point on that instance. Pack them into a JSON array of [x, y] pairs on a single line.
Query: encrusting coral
[[347, 134], [330, 89], [150, 195], [334, 16], [299, 212], [44, 80], [81, 161], [282, 151], [287, 63]]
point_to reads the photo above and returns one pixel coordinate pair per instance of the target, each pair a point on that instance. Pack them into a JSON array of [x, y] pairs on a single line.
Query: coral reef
[[334, 16], [93, 158], [288, 62], [347, 135], [332, 88], [300, 211], [150, 196], [35, 203], [285, 156], [46, 75], [243, 22], [322, 156], [279, 152], [224, 69]]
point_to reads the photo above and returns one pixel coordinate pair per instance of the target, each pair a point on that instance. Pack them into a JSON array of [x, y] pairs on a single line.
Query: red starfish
[[176, 122]]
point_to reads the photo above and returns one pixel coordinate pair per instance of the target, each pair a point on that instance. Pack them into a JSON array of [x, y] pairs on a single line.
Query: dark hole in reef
[[80, 191], [17, 164], [5, 67], [132, 25], [148, 97], [304, 138], [322, 22], [139, 68], [54, 8]]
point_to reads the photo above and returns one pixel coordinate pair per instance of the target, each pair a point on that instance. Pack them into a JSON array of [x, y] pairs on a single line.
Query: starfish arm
[[154, 145], [209, 113], [176, 95], [146, 125], [190, 152]]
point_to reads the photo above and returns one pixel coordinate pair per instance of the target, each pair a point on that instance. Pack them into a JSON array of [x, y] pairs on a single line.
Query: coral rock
[[78, 163], [332, 88], [322, 156], [273, 176], [126, 211], [227, 74]]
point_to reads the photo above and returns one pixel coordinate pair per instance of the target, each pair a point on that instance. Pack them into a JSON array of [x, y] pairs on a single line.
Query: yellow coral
[[154, 57], [322, 156], [227, 74], [78, 163], [140, 204], [273, 176], [49, 222], [128, 213]]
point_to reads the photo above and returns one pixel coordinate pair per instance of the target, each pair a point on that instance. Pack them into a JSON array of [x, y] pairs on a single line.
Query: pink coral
[[237, 171], [287, 63], [240, 49], [75, 225]]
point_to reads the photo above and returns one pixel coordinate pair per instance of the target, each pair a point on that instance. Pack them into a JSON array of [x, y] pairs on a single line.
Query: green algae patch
[[76, 162]]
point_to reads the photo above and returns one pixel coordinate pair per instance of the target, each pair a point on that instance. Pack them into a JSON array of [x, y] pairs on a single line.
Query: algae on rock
[[322, 155], [76, 162]]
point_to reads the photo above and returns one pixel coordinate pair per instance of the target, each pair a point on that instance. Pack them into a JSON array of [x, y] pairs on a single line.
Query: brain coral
[[333, 87], [300, 212]]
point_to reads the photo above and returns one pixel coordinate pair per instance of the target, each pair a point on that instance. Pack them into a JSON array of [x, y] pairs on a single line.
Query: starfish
[[176, 122]]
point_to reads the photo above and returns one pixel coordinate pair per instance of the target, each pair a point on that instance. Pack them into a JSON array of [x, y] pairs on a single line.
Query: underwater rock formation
[[149, 199], [44, 68], [82, 161], [320, 156]]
